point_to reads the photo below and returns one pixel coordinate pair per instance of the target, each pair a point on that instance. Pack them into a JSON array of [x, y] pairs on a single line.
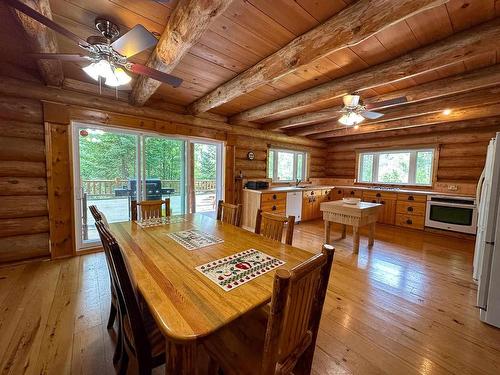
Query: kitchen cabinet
[[388, 200], [353, 193], [336, 194], [410, 210], [310, 204]]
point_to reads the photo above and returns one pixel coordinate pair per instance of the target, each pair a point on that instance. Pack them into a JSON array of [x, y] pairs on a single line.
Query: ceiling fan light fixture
[[113, 76], [351, 118]]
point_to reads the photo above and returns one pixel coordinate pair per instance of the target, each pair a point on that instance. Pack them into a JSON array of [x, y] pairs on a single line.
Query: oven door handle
[[448, 204]]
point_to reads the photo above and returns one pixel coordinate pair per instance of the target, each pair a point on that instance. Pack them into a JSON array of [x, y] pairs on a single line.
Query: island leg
[[371, 238], [344, 231], [355, 238], [327, 231]]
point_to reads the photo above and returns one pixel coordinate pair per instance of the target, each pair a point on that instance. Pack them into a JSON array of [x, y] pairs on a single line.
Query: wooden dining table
[[187, 305]]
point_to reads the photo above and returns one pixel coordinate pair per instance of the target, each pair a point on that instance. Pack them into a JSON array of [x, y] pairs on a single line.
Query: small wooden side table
[[356, 215]]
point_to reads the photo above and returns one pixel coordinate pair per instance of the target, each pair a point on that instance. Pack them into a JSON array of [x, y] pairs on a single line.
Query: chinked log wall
[[30, 182], [461, 157], [24, 222]]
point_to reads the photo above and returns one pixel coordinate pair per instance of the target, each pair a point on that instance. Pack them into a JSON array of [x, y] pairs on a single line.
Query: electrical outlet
[[452, 187]]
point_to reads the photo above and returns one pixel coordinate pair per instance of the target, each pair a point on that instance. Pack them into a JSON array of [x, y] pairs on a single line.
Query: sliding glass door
[[113, 167], [165, 171], [207, 159], [105, 170]]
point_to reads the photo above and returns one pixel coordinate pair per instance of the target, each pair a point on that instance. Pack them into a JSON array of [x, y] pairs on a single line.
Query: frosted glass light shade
[[113, 76], [351, 119]]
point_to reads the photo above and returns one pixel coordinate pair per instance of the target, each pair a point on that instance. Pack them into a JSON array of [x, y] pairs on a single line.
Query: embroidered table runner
[[238, 269], [160, 221], [194, 239]]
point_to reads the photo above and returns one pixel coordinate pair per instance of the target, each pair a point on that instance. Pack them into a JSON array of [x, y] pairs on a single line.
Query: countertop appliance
[[257, 185], [458, 214], [294, 205], [487, 251]]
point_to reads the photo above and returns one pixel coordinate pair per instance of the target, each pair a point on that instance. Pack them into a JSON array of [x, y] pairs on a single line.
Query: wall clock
[[250, 155]]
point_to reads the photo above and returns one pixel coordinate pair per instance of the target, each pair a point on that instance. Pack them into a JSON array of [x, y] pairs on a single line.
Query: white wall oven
[[458, 214]]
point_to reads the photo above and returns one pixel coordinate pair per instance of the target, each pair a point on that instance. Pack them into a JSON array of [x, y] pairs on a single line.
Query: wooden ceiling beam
[[448, 86], [491, 110], [42, 40], [17, 88], [461, 46], [464, 100], [428, 129], [351, 26], [185, 26]]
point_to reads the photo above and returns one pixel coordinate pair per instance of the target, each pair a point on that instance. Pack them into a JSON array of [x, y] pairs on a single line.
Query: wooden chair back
[[229, 213], [296, 307], [98, 215], [129, 309], [271, 226], [151, 209]]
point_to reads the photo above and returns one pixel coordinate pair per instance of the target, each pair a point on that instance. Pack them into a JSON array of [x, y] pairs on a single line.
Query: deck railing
[[106, 188]]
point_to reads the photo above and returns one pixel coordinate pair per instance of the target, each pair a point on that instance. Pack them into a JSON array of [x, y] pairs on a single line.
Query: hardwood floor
[[406, 306]]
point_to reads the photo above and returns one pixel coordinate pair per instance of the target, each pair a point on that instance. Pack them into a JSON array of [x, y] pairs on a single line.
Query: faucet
[[297, 183]]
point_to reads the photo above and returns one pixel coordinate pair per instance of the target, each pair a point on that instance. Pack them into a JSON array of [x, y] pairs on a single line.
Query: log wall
[[257, 168], [24, 222], [462, 152]]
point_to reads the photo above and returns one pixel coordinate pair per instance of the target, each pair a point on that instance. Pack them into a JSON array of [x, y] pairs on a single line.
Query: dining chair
[[150, 209], [139, 335], [283, 340], [99, 217], [271, 226], [229, 213]]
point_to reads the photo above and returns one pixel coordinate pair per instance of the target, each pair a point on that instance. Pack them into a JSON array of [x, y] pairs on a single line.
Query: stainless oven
[[458, 214]]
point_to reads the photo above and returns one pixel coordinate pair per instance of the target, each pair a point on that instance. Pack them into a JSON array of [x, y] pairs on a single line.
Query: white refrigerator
[[487, 250]]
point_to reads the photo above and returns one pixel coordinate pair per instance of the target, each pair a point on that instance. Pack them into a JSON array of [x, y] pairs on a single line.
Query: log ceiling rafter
[[492, 110], [42, 40], [480, 97], [459, 46], [185, 26], [365, 18], [444, 87]]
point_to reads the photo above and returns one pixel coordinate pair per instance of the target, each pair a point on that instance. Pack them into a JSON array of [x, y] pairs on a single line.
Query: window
[[286, 165], [401, 167]]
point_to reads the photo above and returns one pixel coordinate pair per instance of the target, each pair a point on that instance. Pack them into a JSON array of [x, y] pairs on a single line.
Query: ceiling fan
[[355, 112], [107, 53]]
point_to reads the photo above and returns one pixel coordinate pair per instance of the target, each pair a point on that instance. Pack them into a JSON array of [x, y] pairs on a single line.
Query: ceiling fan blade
[[351, 100], [136, 40], [387, 103], [155, 74], [61, 56], [371, 115], [30, 12]]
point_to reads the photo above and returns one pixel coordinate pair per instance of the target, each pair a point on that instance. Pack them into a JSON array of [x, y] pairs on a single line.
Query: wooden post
[[191, 192]]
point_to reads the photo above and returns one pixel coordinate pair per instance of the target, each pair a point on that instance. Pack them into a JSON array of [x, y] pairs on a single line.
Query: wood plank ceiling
[[250, 30]]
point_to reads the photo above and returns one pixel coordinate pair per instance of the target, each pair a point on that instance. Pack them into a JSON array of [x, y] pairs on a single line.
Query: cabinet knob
[[409, 222], [274, 196], [410, 209], [352, 192], [411, 198], [378, 195], [273, 208], [339, 192]]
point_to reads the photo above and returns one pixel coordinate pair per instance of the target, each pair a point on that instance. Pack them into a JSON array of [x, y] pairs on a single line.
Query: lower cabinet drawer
[[273, 206], [410, 208], [273, 197], [415, 222]]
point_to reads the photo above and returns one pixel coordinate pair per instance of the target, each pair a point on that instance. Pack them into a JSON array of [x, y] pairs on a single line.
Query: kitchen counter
[[286, 189]]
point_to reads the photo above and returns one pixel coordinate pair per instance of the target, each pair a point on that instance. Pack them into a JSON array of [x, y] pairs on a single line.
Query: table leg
[[344, 231], [355, 238], [327, 231], [181, 358], [371, 238]]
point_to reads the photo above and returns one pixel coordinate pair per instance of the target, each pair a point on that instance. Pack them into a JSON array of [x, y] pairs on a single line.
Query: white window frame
[[412, 172], [295, 157]]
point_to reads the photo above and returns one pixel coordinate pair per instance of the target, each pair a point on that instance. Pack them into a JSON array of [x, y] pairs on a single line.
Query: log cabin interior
[[249, 187]]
